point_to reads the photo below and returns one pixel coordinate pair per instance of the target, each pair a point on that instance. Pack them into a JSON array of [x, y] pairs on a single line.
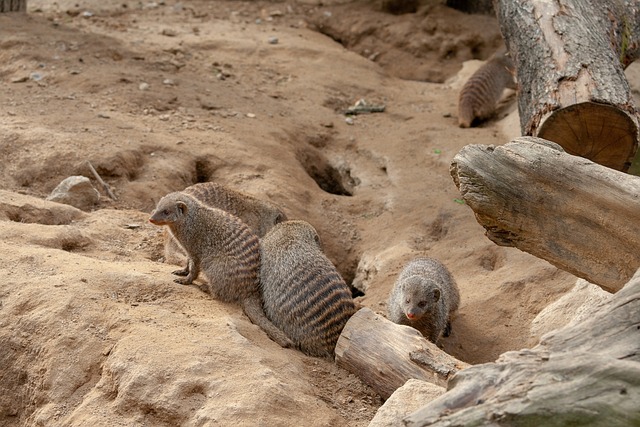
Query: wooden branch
[[570, 57], [578, 215], [385, 355], [587, 374], [104, 185]]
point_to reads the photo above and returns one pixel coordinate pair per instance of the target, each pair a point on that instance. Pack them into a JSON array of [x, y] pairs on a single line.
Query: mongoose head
[[170, 209], [296, 230], [419, 297]]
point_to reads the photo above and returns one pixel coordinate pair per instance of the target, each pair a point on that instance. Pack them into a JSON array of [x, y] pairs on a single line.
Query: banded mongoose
[[303, 293], [424, 296], [226, 250], [481, 93], [259, 215]]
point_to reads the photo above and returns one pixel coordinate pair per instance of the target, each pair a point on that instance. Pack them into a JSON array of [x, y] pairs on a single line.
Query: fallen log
[[586, 374], [581, 217], [385, 355], [570, 57]]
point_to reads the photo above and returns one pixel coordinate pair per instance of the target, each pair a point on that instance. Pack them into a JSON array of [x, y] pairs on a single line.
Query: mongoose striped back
[[259, 215], [481, 93], [303, 293]]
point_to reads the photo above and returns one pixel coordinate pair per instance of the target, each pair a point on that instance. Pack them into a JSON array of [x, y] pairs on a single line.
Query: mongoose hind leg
[[447, 330], [252, 307], [182, 272]]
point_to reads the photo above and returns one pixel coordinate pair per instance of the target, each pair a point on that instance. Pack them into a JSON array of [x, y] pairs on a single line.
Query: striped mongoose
[[259, 215], [424, 296], [481, 93], [226, 250], [303, 293]]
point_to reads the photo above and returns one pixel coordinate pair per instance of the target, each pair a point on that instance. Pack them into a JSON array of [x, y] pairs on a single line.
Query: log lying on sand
[[570, 57], [385, 355], [586, 374], [581, 217]]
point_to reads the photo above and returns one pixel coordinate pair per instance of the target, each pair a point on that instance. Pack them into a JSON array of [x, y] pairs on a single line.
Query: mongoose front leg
[[193, 270], [252, 307], [183, 271]]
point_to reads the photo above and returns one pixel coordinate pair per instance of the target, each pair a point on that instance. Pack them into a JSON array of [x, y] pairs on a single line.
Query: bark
[[586, 374], [385, 355], [13, 6], [581, 217], [570, 57]]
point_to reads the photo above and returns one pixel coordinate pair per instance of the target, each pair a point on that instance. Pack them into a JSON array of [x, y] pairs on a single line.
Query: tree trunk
[[13, 6], [579, 216], [586, 374], [570, 57], [385, 355]]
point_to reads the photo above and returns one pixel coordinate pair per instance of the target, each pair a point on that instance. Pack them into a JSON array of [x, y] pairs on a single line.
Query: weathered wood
[[570, 57], [581, 217], [13, 6], [586, 374], [385, 355]]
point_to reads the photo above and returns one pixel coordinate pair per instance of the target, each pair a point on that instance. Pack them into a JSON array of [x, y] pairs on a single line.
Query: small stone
[[143, 86], [349, 120], [104, 116], [21, 79], [251, 115], [36, 77], [76, 191], [169, 32], [273, 40], [168, 82]]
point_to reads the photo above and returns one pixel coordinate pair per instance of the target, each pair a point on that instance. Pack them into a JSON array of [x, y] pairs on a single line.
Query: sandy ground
[[158, 96]]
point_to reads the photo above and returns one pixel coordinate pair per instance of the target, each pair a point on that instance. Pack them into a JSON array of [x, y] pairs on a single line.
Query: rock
[[571, 308], [26, 209], [405, 400], [76, 191]]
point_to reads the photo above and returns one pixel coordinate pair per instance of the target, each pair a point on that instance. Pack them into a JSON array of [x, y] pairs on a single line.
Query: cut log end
[[601, 133]]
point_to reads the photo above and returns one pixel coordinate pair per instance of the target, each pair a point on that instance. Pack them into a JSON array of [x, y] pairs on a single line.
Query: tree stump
[[570, 57], [586, 374], [581, 217], [385, 355]]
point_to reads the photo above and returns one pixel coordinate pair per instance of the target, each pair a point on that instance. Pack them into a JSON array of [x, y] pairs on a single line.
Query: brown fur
[[259, 215], [303, 293], [481, 93], [224, 248], [426, 292]]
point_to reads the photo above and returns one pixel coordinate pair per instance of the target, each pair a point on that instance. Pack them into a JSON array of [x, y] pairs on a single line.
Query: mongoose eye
[[407, 300], [422, 304]]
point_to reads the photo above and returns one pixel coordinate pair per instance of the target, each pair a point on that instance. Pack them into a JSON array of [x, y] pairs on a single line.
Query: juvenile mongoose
[[259, 215], [424, 296], [226, 250], [303, 293], [481, 93]]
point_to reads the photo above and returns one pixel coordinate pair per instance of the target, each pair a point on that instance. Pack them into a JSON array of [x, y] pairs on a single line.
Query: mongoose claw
[[181, 272], [183, 281]]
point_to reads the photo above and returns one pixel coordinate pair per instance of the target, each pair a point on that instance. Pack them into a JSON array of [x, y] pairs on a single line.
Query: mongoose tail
[[252, 307]]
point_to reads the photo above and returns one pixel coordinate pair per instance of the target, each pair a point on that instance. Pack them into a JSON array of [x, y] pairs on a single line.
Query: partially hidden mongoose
[[480, 94], [303, 293], [259, 215], [224, 248], [424, 296]]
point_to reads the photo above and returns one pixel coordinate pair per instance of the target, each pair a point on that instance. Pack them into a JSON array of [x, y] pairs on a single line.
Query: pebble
[[143, 86], [273, 40], [251, 115], [349, 120]]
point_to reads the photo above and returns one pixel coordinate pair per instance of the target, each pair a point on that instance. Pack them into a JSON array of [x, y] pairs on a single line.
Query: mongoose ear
[[436, 295], [182, 207]]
